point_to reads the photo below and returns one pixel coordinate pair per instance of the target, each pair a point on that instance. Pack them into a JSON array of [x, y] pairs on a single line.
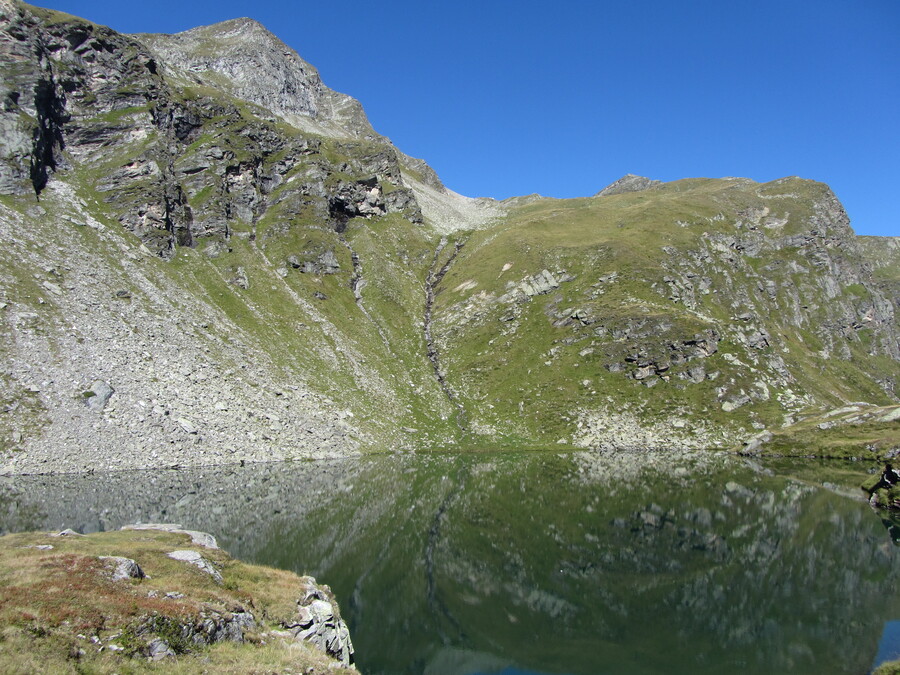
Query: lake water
[[522, 563]]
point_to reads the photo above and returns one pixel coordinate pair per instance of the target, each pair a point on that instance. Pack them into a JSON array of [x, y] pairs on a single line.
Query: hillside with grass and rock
[[156, 598], [211, 257]]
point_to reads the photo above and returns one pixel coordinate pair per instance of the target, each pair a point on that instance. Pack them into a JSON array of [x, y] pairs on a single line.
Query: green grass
[[889, 668], [857, 434], [52, 17], [492, 359]]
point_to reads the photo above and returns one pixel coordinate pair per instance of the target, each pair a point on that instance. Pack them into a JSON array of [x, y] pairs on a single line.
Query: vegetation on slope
[[694, 313]]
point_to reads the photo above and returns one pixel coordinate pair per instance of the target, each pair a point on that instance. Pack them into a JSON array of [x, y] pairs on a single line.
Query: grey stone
[[644, 372], [215, 249], [199, 538], [159, 649], [628, 183], [98, 395], [187, 425], [696, 373], [318, 622], [734, 403], [891, 415], [67, 533], [240, 278], [755, 443], [325, 263], [123, 568], [197, 561]]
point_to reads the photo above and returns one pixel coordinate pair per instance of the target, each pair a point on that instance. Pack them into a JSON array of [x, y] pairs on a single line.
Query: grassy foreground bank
[[69, 604]]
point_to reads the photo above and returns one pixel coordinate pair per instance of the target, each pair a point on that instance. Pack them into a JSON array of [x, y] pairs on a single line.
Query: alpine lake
[[542, 562]]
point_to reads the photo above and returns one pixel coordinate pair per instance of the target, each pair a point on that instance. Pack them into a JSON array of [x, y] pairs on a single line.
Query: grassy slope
[[589, 238], [373, 362], [851, 432], [59, 607], [527, 374]]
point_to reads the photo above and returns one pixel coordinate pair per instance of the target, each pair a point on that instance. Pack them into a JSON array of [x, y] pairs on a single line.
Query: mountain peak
[[244, 59], [628, 183]]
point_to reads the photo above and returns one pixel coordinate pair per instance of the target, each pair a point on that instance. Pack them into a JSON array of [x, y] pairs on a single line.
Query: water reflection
[[536, 563], [889, 645], [891, 522]]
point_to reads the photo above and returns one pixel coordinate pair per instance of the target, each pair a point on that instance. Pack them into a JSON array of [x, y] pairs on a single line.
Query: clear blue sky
[[507, 98]]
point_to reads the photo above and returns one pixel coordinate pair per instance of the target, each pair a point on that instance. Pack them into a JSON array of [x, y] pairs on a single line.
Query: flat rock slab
[[198, 561], [203, 539]]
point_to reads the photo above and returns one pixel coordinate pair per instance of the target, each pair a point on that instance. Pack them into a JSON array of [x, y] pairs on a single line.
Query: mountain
[[210, 256]]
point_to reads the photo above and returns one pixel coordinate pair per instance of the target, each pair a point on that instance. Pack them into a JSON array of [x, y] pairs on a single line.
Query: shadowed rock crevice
[[48, 135], [357, 284]]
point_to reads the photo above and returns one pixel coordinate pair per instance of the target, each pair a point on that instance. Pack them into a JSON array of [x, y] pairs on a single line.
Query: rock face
[[213, 263], [251, 64], [78, 93], [319, 622]]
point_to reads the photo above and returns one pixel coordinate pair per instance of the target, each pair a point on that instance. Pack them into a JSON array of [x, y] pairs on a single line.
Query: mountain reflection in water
[[535, 562]]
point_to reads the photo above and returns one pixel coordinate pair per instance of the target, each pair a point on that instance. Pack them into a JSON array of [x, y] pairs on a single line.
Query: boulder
[[98, 395], [755, 443], [324, 263], [123, 568], [159, 649]]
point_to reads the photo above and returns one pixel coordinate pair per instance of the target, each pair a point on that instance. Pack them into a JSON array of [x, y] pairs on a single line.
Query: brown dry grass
[[60, 610]]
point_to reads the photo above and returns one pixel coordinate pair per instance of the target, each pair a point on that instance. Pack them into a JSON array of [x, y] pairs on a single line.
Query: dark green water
[[538, 562]]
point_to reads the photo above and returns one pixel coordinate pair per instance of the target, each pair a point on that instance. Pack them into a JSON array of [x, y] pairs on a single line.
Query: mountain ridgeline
[[209, 256]]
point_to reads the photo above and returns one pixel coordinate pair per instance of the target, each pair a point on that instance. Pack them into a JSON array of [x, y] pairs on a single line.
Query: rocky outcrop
[[122, 568], [318, 621], [198, 561], [81, 93], [628, 183], [324, 263], [538, 284], [203, 539], [126, 617], [253, 65]]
